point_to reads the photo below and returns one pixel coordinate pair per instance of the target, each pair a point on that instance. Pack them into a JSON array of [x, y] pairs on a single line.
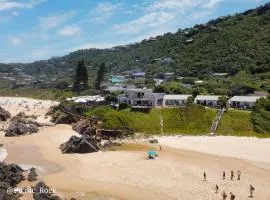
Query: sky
[[32, 30]]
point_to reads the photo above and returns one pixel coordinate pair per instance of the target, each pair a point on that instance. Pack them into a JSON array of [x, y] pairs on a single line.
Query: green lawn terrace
[[191, 120]]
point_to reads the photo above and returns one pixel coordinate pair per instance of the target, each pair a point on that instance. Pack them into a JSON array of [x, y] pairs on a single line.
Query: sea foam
[[3, 154]]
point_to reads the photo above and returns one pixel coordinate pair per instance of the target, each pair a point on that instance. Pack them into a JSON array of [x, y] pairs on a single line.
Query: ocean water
[[3, 154]]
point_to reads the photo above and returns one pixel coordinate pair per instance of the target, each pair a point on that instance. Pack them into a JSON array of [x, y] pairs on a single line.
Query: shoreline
[[3, 154]]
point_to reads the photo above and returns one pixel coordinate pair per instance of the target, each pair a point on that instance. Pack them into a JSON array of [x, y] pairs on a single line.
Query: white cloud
[[54, 21], [103, 11], [165, 12], [15, 41], [212, 3], [6, 5], [69, 31], [150, 20]]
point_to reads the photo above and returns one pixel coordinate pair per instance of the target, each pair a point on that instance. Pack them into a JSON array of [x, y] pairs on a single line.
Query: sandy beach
[[176, 174]]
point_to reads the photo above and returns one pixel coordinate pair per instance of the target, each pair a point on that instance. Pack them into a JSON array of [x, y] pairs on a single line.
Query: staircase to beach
[[216, 121]]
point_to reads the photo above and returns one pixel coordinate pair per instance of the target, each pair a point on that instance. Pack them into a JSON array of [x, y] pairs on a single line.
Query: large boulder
[[22, 124], [84, 127], [4, 115], [18, 128], [43, 192], [62, 118], [83, 144], [10, 176]]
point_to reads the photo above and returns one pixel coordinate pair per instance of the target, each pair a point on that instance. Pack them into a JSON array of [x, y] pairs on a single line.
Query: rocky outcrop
[[62, 118], [83, 144], [19, 128], [84, 127], [43, 192], [4, 115], [22, 124], [10, 176], [32, 176]]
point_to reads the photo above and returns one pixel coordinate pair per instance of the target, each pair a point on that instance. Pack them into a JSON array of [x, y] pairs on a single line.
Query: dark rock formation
[[32, 176], [62, 118], [43, 192], [4, 115], [84, 127], [10, 176], [19, 128], [83, 144], [22, 124]]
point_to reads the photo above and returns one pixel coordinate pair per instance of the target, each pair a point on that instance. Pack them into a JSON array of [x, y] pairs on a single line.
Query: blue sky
[[39, 29]]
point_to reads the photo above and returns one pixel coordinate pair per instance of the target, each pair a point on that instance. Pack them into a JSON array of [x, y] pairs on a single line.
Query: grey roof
[[207, 98], [177, 97], [220, 74], [139, 90], [251, 99]]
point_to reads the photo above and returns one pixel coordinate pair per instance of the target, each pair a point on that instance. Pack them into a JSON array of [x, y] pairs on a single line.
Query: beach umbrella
[[152, 153]]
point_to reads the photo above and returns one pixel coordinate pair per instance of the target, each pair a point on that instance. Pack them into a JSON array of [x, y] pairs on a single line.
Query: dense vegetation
[[260, 115]]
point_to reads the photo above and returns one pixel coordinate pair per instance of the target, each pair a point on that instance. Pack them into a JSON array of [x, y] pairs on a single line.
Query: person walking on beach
[[160, 148], [232, 175], [224, 175], [204, 176], [216, 188], [224, 195], [232, 196], [238, 175], [251, 190]]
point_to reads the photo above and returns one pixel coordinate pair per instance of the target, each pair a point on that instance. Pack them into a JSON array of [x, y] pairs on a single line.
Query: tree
[[223, 102], [100, 76], [81, 77], [190, 100], [260, 115]]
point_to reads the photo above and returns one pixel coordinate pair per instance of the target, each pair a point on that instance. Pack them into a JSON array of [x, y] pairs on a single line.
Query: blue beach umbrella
[[152, 153]]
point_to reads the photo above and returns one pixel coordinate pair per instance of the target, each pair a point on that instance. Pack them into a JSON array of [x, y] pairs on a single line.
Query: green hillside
[[227, 44]]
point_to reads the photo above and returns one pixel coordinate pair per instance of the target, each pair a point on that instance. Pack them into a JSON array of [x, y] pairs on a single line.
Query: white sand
[[29, 106], [238, 147]]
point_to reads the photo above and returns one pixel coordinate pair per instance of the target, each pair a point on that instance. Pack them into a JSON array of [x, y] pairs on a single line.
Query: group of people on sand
[[232, 196]]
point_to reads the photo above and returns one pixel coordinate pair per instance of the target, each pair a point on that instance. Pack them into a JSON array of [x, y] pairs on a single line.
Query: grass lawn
[[237, 123], [192, 120], [147, 123]]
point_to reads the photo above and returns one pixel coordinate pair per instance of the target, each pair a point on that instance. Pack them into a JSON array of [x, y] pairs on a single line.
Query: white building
[[141, 98], [244, 101], [207, 100], [175, 100]]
